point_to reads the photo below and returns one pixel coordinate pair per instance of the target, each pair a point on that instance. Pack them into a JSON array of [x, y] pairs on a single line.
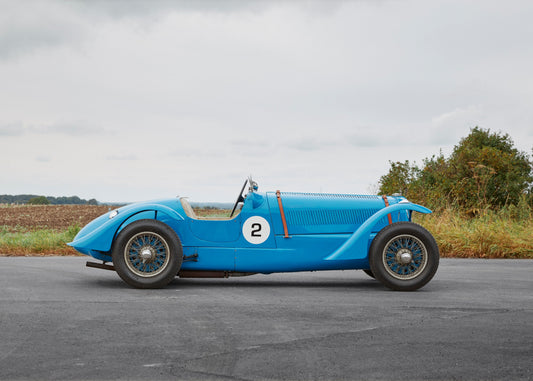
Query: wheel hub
[[404, 256], [147, 254]]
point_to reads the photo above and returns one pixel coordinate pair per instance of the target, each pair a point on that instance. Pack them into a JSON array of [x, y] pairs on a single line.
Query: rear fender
[[356, 247]]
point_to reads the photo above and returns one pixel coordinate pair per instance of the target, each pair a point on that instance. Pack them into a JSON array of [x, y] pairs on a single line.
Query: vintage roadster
[[150, 243]]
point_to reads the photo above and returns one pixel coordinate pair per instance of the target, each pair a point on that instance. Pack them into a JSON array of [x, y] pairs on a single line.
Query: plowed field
[[55, 217]]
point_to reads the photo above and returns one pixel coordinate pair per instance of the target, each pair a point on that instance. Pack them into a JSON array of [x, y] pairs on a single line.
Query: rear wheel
[[147, 254], [404, 256]]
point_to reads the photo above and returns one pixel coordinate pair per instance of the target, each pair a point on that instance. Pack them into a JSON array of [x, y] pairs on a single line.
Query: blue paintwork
[[326, 232]]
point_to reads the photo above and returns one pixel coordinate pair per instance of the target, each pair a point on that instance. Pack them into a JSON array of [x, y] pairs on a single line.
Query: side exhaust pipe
[[102, 266]]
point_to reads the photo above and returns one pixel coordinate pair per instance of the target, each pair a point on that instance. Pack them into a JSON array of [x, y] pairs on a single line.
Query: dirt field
[[56, 217], [61, 217]]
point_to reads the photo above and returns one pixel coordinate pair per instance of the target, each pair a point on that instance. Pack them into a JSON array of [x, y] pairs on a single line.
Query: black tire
[[369, 273], [404, 256], [147, 254]]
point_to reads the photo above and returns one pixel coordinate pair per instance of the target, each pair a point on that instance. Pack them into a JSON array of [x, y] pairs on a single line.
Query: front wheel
[[404, 256], [147, 254]]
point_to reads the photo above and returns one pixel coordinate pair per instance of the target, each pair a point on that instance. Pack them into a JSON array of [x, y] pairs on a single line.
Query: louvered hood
[[322, 213]]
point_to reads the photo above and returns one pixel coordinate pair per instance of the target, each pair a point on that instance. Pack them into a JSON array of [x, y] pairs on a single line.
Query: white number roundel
[[256, 230]]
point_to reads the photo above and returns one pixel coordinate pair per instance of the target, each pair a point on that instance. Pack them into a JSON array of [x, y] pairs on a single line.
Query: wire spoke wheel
[[404, 257], [147, 254]]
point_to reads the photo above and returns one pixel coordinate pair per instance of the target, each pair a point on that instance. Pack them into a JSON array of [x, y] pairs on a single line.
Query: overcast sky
[[134, 100]]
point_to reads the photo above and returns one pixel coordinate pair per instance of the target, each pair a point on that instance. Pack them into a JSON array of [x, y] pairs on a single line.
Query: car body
[[150, 243]]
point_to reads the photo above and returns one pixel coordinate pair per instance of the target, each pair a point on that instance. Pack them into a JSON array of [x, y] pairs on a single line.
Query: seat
[[189, 211]]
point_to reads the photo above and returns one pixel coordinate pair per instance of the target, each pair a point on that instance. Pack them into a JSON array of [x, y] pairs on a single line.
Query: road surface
[[61, 320]]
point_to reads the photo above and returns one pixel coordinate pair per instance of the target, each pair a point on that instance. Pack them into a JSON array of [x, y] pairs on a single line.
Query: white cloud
[[11, 129], [127, 157], [33, 25], [61, 128], [43, 159]]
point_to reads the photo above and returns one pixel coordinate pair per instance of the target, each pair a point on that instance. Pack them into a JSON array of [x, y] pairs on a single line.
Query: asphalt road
[[61, 320]]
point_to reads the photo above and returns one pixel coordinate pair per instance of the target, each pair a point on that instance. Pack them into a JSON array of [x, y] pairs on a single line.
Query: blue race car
[[150, 243]]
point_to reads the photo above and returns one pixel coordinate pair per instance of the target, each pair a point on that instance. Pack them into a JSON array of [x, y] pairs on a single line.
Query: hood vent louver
[[329, 217], [325, 212]]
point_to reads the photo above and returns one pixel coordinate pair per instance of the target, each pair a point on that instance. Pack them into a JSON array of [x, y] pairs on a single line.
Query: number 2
[[256, 230]]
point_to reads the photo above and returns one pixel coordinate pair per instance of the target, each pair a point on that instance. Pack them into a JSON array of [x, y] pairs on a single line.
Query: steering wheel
[[240, 198]]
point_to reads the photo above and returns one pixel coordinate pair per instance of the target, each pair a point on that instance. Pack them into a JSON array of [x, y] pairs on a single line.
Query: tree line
[[32, 199]]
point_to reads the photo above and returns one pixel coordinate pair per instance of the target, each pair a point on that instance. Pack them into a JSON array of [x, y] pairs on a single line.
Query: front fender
[[101, 238], [356, 247]]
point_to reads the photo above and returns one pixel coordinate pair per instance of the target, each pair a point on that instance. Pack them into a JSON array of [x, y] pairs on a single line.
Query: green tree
[[485, 170], [39, 200], [402, 178], [488, 171]]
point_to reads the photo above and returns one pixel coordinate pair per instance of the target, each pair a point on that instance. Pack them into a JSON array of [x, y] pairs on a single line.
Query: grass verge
[[19, 241], [490, 235]]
